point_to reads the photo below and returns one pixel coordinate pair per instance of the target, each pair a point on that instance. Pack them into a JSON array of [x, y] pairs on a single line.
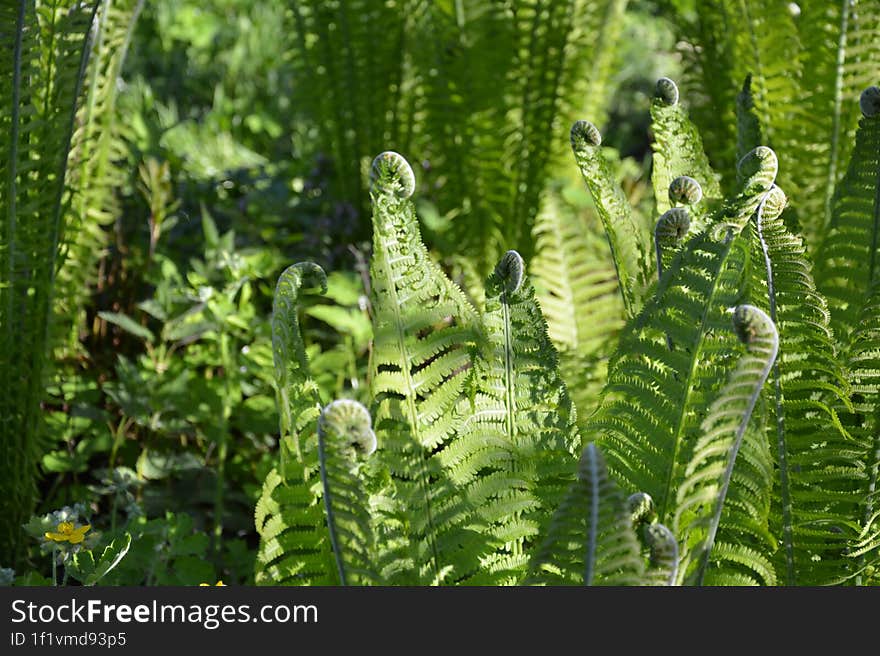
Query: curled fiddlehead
[[666, 91], [510, 270], [583, 133], [663, 553], [391, 173], [757, 169], [345, 439], [628, 253], [350, 425], [684, 190], [671, 229], [641, 508], [869, 101]]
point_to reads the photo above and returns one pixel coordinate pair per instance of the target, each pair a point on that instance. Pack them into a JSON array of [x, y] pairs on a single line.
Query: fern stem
[[412, 414], [509, 385], [328, 507], [784, 484]]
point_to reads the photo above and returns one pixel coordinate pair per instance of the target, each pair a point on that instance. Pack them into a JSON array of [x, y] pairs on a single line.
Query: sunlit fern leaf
[[345, 439], [847, 262], [514, 453], [840, 56], [294, 545], [678, 151], [297, 393], [576, 286], [423, 330], [591, 540], [808, 384], [46, 48], [628, 250], [656, 397], [93, 172], [712, 485]]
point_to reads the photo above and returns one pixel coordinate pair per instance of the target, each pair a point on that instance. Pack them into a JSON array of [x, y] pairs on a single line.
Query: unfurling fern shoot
[[624, 239], [701, 498], [345, 439], [391, 172]]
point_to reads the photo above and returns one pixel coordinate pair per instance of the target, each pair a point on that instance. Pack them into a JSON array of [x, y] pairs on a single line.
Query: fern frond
[[748, 125], [93, 176], [424, 330], [653, 403], [350, 69], [628, 251], [840, 54], [591, 540], [41, 86], [847, 263], [678, 151], [707, 479], [808, 384], [294, 546], [862, 458], [514, 453], [494, 82], [578, 292]]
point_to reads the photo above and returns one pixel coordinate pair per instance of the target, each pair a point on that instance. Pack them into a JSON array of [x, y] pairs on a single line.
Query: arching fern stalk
[[294, 544], [706, 493], [42, 72]]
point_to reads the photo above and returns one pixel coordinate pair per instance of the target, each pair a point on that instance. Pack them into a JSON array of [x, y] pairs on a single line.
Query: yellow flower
[[65, 532], [203, 585]]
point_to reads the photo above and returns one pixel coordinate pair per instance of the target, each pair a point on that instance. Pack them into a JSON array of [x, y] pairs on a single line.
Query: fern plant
[[476, 88], [475, 435], [803, 511], [806, 61], [40, 84]]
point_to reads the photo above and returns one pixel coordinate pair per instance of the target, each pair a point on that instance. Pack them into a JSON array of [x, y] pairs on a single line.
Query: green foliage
[[419, 420], [474, 426], [591, 540], [477, 88], [807, 62], [41, 84]]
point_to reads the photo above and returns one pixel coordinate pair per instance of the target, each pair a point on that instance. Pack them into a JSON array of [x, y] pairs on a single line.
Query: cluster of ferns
[[719, 428]]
